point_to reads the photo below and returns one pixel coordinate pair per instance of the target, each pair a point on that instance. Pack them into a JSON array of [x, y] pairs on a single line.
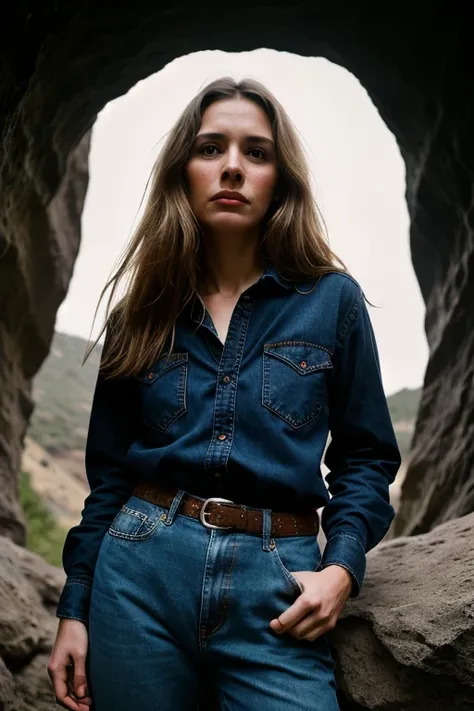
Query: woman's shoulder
[[339, 286], [343, 280]]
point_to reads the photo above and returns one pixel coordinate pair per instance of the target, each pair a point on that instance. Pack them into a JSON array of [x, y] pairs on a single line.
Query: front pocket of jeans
[[287, 574], [163, 391], [137, 520], [292, 553], [295, 380]]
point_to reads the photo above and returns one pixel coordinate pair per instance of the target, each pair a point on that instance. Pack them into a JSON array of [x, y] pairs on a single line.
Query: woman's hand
[[67, 665], [317, 609]]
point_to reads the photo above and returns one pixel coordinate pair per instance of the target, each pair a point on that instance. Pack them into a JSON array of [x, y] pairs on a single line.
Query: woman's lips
[[229, 201]]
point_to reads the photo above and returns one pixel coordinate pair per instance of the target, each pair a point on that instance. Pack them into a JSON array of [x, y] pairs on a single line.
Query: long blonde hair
[[164, 258]]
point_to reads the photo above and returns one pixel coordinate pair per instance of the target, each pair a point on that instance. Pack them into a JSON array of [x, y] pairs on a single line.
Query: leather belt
[[224, 514]]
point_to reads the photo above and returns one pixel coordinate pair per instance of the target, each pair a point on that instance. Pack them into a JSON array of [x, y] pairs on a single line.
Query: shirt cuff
[[346, 550], [74, 600]]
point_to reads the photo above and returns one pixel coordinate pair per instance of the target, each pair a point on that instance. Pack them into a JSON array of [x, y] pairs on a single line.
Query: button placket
[[227, 376]]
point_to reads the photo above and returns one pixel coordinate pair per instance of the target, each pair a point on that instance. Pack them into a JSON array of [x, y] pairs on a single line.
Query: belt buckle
[[203, 512]]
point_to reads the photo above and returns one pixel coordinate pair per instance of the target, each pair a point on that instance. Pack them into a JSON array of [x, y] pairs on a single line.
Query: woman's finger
[[309, 625], [292, 615], [80, 690], [58, 676]]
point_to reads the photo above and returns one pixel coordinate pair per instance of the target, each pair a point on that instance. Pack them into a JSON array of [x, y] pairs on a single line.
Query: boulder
[[407, 641], [29, 593]]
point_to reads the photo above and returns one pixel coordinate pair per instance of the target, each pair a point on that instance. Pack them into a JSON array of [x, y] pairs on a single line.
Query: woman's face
[[232, 170]]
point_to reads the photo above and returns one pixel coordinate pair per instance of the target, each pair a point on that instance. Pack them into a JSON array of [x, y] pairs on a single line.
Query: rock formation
[[60, 64], [29, 592]]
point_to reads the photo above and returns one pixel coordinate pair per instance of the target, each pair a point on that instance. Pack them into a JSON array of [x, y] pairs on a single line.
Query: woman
[[240, 343]]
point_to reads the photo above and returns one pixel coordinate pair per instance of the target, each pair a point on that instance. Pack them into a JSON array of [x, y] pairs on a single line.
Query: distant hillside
[[63, 392], [404, 404], [403, 407]]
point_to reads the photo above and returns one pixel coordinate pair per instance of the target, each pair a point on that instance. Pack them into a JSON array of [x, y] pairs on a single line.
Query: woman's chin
[[229, 222]]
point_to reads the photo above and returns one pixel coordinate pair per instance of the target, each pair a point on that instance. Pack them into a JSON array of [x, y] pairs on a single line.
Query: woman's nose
[[232, 173], [233, 168]]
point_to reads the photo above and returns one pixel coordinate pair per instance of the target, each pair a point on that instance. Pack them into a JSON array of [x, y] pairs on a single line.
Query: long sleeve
[[113, 427], [363, 455]]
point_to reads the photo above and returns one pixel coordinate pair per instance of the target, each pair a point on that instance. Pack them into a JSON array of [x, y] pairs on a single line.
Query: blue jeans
[[171, 596]]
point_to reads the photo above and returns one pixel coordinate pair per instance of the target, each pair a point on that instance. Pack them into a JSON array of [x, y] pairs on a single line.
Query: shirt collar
[[269, 276], [272, 273]]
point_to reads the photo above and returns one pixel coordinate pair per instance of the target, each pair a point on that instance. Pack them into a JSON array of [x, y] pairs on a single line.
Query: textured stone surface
[[407, 642], [7, 688], [29, 592], [39, 247], [33, 686], [61, 62]]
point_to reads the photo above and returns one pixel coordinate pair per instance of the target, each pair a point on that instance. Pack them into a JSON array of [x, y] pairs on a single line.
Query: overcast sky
[[358, 174]]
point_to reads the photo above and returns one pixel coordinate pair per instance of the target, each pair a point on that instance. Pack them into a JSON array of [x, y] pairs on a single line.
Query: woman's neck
[[230, 266]]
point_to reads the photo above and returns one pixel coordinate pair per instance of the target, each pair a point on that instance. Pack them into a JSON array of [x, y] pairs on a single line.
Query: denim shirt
[[249, 420]]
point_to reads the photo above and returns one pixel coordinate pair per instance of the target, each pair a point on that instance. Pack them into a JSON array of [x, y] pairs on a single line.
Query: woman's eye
[[208, 150], [257, 153]]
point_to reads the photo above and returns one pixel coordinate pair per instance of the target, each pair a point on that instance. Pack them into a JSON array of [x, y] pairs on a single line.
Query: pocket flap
[[304, 357], [161, 366]]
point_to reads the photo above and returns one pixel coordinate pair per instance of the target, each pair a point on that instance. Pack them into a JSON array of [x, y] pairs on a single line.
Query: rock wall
[[61, 61], [39, 244], [29, 593]]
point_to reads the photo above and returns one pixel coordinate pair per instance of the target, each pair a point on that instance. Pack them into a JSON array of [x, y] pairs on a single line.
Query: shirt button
[[222, 437], [226, 379]]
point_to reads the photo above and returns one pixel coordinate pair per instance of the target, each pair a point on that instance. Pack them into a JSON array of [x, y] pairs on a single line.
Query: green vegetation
[[43, 534]]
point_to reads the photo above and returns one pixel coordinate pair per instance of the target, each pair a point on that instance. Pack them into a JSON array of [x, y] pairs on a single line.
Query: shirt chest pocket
[[163, 391], [295, 380]]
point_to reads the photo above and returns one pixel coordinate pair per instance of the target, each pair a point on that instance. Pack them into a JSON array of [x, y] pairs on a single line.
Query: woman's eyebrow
[[221, 136], [260, 139]]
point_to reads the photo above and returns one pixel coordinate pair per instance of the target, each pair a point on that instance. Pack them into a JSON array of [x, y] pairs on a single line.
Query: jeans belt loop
[[176, 503], [267, 528]]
